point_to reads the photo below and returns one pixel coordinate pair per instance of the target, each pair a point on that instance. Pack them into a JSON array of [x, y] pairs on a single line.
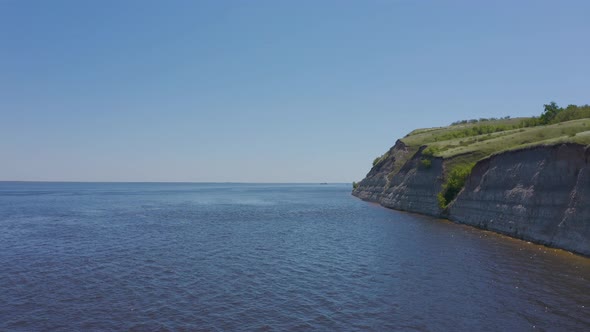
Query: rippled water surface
[[84, 256]]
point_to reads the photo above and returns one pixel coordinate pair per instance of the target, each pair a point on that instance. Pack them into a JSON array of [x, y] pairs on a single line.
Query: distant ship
[[324, 183]]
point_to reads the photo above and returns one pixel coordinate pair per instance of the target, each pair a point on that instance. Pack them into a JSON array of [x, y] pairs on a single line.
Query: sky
[[266, 91]]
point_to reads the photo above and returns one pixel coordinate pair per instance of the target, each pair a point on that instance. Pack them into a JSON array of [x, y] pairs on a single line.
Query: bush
[[426, 163], [379, 159], [454, 184], [354, 185], [442, 201], [428, 154], [430, 151], [376, 161]]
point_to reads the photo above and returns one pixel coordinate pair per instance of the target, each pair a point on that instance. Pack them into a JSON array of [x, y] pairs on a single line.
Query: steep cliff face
[[539, 194], [372, 186], [415, 186]]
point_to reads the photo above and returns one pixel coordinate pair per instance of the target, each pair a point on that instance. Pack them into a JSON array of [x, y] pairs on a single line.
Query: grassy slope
[[465, 150]]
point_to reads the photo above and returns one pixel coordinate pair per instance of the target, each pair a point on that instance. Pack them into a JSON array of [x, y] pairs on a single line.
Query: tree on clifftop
[[551, 110]]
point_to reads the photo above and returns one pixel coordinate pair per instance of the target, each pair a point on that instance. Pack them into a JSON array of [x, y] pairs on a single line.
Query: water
[[156, 257]]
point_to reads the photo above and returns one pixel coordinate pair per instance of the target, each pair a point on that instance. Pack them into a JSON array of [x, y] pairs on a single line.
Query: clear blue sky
[[266, 91]]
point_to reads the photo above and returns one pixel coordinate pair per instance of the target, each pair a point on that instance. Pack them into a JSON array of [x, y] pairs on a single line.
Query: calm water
[[80, 256]]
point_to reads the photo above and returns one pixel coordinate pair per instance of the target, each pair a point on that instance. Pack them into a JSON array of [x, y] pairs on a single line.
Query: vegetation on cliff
[[454, 183], [465, 142], [478, 139]]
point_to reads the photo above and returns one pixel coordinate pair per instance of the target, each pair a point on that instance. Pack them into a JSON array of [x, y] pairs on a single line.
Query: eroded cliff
[[373, 185], [539, 194], [415, 186]]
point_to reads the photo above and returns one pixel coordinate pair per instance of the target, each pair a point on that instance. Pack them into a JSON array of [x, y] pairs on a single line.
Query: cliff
[[532, 184], [415, 186], [539, 194], [371, 187]]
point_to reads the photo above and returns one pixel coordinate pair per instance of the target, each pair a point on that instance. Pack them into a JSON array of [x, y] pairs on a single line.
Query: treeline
[[475, 131], [552, 114], [478, 120]]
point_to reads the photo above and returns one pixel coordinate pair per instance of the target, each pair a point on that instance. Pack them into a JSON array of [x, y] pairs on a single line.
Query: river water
[[230, 257]]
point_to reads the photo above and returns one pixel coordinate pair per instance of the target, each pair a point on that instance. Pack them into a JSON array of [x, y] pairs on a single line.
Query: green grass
[[421, 137], [441, 139], [468, 149], [518, 138]]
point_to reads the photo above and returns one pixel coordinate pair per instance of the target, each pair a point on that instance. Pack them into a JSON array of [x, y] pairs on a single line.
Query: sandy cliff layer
[[540, 194]]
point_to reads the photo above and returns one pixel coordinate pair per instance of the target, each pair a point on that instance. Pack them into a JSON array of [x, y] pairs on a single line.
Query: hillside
[[426, 171]]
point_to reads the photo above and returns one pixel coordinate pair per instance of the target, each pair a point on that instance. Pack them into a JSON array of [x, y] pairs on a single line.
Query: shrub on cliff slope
[[426, 163], [454, 183], [428, 154], [380, 159], [430, 151]]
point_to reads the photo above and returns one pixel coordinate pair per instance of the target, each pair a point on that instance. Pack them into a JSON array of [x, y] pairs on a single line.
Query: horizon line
[[194, 182]]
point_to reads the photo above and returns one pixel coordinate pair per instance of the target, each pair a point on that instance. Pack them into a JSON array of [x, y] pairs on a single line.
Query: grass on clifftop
[[467, 142], [465, 150]]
